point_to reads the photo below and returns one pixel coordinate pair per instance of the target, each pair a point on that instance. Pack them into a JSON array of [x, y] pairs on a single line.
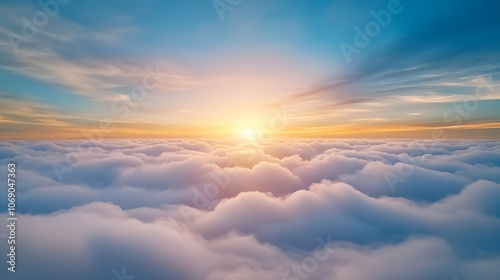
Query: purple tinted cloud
[[185, 209]]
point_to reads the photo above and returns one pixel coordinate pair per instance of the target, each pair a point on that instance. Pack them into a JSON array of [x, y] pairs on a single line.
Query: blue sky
[[224, 72]]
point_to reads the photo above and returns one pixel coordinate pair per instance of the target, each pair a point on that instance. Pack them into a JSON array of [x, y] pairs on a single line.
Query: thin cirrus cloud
[[194, 219]]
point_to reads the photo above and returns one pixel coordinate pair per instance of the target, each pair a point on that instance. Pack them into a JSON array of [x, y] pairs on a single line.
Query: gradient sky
[[218, 74]]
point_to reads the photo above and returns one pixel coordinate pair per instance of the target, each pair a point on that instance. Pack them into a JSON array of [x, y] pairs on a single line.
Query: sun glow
[[248, 133]]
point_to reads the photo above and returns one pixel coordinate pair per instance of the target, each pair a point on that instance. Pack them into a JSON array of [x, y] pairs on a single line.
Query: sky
[[200, 68]]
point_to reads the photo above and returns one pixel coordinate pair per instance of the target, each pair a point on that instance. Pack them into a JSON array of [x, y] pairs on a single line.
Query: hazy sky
[[195, 69]]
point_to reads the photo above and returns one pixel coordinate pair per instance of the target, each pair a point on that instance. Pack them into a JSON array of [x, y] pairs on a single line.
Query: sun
[[248, 133]]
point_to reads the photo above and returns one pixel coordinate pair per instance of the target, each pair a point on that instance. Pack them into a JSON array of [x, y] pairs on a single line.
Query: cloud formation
[[216, 209]]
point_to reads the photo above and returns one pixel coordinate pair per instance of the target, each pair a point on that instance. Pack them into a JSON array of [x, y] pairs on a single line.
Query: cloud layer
[[218, 209]]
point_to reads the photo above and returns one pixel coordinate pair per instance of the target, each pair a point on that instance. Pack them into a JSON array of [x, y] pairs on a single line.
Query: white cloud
[[131, 203]]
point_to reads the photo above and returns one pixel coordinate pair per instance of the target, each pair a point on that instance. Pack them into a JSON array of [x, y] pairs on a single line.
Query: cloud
[[320, 209]]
